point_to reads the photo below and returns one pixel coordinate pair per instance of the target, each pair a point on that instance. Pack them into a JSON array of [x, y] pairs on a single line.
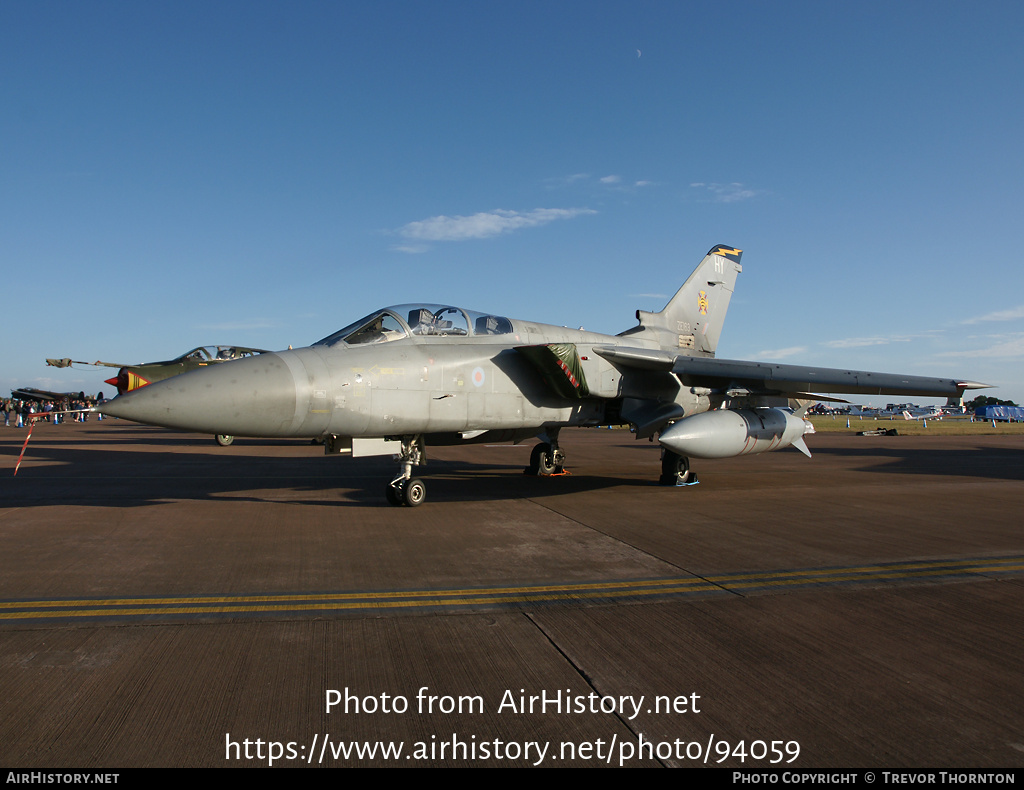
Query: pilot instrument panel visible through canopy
[[422, 320]]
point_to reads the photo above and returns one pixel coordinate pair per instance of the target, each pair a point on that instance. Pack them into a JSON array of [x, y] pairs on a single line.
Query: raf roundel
[[478, 377]]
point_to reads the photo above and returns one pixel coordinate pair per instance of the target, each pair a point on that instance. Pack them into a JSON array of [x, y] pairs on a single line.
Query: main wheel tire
[[223, 439], [414, 492], [675, 469], [393, 494], [542, 460]]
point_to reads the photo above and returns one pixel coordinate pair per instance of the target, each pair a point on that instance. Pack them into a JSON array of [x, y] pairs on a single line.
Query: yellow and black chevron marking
[[135, 381], [727, 252], [247, 606]]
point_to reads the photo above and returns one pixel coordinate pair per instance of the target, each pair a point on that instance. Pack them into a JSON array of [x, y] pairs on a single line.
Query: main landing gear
[[406, 489], [224, 440], [546, 458], [675, 470]]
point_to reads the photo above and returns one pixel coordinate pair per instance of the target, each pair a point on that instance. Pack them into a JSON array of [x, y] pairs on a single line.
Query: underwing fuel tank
[[729, 432]]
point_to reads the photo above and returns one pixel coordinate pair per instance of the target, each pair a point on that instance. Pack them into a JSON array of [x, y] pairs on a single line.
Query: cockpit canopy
[[215, 353], [434, 320]]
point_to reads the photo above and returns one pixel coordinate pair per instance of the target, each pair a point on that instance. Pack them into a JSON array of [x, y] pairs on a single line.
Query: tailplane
[[693, 318]]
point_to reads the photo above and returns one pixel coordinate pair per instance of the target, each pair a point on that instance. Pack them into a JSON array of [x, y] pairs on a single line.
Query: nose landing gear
[[406, 489]]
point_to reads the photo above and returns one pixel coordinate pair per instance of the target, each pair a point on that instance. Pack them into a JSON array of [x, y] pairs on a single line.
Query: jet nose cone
[[255, 396]]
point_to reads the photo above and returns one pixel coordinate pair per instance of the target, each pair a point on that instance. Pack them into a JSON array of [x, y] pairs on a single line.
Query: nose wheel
[[411, 492], [406, 489]]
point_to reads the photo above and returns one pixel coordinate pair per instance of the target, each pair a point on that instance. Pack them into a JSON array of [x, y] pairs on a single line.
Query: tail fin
[[693, 318]]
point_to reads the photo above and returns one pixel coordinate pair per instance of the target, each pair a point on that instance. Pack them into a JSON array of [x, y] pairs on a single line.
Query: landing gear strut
[[675, 470], [546, 458], [406, 489]]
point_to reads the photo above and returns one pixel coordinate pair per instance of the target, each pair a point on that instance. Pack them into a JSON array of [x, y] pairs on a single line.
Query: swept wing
[[773, 379]]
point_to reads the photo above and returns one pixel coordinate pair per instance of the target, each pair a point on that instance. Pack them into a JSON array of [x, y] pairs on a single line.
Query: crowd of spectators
[[17, 413]]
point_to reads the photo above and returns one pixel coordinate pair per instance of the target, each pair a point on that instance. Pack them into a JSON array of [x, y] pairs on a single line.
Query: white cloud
[[726, 193], [614, 182], [411, 249], [862, 342], [485, 224], [781, 353], [999, 315], [1014, 347]]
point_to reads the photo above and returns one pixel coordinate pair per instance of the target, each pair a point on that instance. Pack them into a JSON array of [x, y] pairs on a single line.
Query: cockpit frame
[[420, 320]]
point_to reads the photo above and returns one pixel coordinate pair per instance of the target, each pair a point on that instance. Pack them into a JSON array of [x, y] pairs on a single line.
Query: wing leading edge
[[767, 378], [780, 379]]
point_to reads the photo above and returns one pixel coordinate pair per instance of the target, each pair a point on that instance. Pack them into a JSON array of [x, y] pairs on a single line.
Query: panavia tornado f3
[[414, 375]]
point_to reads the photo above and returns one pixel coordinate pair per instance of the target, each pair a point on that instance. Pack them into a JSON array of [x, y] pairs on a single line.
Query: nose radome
[[255, 396]]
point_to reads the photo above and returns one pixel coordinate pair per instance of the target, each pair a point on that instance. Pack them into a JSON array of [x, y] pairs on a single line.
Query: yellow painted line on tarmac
[[986, 563], [368, 602], [908, 570], [838, 579], [479, 598], [476, 592]]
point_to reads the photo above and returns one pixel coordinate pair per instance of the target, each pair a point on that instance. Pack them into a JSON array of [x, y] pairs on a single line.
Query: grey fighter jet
[[409, 376]]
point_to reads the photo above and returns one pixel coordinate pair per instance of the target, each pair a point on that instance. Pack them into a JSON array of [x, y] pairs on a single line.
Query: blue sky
[[182, 174]]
